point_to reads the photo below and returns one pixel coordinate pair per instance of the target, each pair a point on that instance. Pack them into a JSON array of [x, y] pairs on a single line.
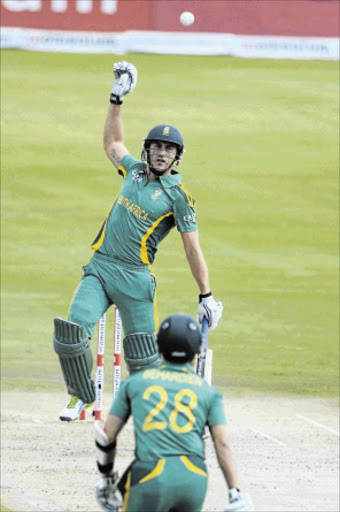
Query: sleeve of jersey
[[126, 164], [216, 415], [121, 404], [184, 212]]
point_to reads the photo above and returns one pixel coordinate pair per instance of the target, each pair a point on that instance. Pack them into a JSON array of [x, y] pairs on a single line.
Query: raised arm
[[114, 135], [125, 82]]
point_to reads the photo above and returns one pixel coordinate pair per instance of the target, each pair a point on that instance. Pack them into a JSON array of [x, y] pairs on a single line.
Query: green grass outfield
[[3, 508], [262, 162]]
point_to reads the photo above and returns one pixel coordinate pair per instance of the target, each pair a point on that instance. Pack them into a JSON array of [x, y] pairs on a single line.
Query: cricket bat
[[204, 364], [205, 358]]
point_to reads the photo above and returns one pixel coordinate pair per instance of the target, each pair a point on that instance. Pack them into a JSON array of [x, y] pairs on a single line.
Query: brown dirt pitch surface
[[287, 451]]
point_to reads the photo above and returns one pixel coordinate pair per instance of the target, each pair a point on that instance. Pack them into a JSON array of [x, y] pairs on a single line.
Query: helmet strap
[[155, 172], [152, 169]]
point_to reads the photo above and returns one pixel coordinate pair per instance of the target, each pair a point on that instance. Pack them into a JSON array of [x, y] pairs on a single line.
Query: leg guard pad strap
[[73, 348], [140, 352]]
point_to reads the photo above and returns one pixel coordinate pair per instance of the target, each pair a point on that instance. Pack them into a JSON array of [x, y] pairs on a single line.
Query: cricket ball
[[187, 18]]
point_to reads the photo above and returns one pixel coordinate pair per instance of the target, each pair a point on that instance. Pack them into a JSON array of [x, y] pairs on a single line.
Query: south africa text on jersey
[[132, 207], [188, 378]]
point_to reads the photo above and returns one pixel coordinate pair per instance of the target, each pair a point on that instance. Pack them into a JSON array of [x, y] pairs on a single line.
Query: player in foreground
[[152, 200], [170, 405]]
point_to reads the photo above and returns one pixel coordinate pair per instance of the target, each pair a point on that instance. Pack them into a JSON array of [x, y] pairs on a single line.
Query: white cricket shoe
[[73, 409]]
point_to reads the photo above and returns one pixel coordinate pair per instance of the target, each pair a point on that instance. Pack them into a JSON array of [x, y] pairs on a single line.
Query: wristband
[[115, 100], [105, 469], [204, 296], [108, 448]]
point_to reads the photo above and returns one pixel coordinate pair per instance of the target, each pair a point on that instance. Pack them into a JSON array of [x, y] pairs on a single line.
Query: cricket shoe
[[73, 409]]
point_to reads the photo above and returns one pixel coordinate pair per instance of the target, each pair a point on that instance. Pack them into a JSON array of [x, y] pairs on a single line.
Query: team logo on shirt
[[136, 176], [157, 193]]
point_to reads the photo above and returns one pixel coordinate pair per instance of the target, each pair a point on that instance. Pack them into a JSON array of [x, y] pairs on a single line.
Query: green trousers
[[107, 281], [174, 484]]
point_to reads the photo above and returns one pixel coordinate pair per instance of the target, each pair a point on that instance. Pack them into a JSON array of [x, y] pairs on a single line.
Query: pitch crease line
[[317, 424], [268, 437]]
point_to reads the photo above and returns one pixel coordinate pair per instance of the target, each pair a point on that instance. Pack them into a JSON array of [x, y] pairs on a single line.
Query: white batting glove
[[125, 81], [106, 493], [238, 502], [210, 309]]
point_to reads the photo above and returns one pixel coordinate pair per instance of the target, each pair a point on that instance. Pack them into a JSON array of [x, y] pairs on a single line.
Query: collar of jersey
[[172, 180], [186, 368]]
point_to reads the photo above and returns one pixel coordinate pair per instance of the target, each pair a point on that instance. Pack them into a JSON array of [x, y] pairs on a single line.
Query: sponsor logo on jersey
[[190, 218], [136, 176], [157, 193]]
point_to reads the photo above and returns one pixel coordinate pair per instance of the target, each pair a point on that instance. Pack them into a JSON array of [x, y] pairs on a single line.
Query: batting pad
[[140, 352], [73, 348]]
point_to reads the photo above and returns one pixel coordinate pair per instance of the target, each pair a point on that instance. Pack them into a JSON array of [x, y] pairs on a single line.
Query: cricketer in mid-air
[[151, 201]]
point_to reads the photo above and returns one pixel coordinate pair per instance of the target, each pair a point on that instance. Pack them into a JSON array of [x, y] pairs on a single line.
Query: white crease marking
[[268, 437], [317, 424]]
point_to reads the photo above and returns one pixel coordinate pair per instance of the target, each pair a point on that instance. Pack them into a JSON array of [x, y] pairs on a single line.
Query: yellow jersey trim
[[127, 492], [155, 473], [96, 246], [100, 241], [190, 198], [122, 171], [192, 466], [143, 248]]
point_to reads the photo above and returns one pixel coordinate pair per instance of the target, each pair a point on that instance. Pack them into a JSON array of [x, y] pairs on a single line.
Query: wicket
[[116, 362]]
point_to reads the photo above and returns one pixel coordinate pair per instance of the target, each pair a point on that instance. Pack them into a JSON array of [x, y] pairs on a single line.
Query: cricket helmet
[[179, 338], [164, 133]]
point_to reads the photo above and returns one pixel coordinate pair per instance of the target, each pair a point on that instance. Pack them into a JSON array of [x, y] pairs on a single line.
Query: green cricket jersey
[[143, 214], [170, 406]]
